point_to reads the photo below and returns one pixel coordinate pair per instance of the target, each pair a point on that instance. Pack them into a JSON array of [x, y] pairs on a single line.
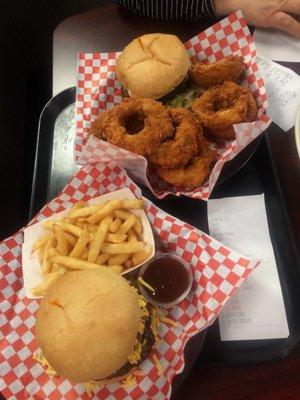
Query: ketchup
[[168, 277]]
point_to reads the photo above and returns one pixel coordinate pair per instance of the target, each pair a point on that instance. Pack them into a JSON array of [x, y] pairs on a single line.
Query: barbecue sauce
[[168, 277]]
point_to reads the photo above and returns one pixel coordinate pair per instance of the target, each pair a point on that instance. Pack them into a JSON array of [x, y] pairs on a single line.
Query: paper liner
[[217, 272], [31, 264], [98, 90]]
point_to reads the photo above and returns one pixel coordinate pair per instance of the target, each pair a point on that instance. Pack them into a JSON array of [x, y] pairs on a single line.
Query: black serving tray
[[54, 166]]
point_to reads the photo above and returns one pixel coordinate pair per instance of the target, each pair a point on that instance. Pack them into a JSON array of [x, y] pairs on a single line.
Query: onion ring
[[178, 150], [207, 75], [222, 106], [137, 125], [195, 173]]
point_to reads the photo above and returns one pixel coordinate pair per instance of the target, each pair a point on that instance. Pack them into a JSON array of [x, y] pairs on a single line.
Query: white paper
[[257, 309], [283, 90], [31, 266], [277, 45]]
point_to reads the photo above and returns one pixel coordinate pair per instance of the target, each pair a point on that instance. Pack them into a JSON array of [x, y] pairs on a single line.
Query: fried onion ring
[[195, 173], [179, 149], [137, 125], [222, 106], [207, 75]]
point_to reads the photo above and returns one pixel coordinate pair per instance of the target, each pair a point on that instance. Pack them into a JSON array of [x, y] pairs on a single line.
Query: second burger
[[94, 326]]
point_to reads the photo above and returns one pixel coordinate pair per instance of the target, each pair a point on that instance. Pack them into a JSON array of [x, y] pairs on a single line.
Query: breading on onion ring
[[222, 106], [195, 173], [207, 75], [179, 149], [137, 125]]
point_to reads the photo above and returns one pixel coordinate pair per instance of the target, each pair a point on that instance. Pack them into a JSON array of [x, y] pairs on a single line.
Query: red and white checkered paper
[[98, 90], [217, 271]]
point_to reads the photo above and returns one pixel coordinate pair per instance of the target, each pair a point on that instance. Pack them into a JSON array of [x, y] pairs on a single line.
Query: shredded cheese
[[141, 327], [158, 311], [138, 372], [158, 365], [155, 321], [142, 303], [169, 321], [90, 388], [39, 357], [130, 380], [136, 354], [144, 283]]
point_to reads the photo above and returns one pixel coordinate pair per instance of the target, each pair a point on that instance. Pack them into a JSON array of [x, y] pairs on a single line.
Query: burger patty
[[148, 337]]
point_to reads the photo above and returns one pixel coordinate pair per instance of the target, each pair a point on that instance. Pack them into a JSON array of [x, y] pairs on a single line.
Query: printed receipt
[[283, 90], [257, 310]]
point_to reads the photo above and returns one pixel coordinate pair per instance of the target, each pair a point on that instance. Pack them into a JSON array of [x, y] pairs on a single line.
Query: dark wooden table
[[108, 29]]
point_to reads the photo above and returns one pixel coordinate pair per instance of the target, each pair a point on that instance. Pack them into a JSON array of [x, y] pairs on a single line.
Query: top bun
[[87, 324], [152, 65]]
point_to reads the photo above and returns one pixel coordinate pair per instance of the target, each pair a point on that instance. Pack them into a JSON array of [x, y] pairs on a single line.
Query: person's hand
[[265, 13]]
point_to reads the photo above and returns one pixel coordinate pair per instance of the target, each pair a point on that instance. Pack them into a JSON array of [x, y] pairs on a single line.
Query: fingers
[[285, 22], [291, 7]]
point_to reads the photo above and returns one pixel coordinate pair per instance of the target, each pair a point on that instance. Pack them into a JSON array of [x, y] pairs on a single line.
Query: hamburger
[[152, 66], [94, 326]]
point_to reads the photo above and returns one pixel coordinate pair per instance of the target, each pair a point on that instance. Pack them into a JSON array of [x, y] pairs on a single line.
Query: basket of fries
[[111, 231], [186, 139]]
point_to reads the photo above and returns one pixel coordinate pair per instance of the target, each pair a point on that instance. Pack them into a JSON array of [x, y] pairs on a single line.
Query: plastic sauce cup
[[169, 276]]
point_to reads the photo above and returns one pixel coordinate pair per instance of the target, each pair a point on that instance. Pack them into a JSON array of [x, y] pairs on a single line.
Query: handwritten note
[[277, 45], [283, 90], [257, 310]]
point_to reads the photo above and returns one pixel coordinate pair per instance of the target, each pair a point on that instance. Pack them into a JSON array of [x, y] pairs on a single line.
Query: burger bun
[[152, 65], [87, 324]]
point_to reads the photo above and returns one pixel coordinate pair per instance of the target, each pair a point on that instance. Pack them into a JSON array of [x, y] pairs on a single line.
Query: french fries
[[46, 266], [102, 258], [73, 263], [131, 236], [85, 211], [132, 204], [127, 224], [123, 248], [81, 243], [106, 210], [98, 239], [73, 229], [141, 256], [42, 288], [106, 235], [119, 259], [116, 237], [76, 206], [137, 227], [70, 239], [115, 225], [122, 214], [40, 242], [62, 242]]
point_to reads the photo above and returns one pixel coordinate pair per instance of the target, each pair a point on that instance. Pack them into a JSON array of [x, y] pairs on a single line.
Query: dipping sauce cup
[[169, 276]]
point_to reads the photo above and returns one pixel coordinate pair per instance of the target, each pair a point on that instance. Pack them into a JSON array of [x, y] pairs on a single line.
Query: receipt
[[283, 90], [257, 310]]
